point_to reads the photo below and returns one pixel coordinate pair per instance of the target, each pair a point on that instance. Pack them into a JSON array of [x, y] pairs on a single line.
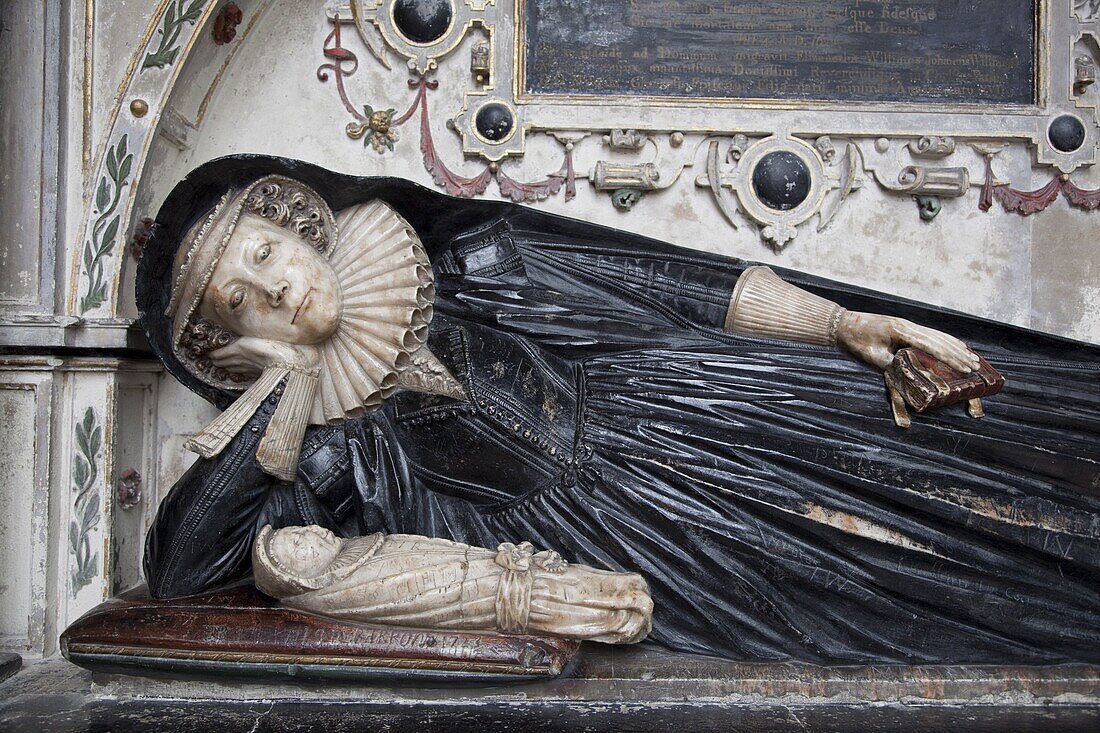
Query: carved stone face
[[270, 284], [306, 552]]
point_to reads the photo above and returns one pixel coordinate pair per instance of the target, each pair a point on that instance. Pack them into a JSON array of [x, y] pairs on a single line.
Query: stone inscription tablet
[[924, 51]]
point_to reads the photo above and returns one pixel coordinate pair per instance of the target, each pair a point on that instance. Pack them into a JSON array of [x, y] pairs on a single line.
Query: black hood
[[435, 217]]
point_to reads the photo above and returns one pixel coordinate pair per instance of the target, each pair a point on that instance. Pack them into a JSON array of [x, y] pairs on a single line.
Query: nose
[[276, 291]]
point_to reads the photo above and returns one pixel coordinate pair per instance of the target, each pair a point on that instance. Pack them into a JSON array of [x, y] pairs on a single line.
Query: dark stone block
[[935, 51], [9, 665], [615, 689], [494, 121]]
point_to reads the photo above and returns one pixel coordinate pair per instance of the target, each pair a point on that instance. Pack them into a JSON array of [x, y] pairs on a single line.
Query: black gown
[[761, 487]]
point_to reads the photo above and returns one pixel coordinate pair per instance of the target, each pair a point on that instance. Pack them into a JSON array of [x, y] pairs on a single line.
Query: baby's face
[[304, 551]]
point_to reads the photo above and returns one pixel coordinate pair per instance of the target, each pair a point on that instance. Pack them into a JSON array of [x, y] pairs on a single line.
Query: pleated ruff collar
[[386, 282], [379, 346]]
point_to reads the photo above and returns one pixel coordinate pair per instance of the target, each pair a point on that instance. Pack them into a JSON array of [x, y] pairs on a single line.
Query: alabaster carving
[[764, 305], [342, 324], [421, 582], [496, 373]]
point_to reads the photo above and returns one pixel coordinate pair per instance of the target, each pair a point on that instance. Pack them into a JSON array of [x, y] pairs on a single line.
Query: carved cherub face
[[272, 285], [305, 552]]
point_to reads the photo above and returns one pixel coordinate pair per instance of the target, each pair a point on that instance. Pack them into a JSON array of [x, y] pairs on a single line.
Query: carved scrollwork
[[479, 62], [824, 145], [625, 140], [922, 181], [738, 146], [929, 207], [1084, 74], [932, 146], [781, 182], [1086, 10], [608, 176]]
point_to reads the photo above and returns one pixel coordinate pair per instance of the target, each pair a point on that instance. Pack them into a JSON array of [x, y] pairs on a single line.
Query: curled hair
[[291, 209], [200, 338]]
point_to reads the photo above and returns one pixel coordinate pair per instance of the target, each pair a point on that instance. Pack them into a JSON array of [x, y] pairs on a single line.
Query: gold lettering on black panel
[[923, 51]]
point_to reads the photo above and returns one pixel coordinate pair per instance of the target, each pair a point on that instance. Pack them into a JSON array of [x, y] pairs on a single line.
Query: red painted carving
[[451, 182], [142, 232], [345, 63], [414, 84], [129, 488], [570, 176], [986, 200], [527, 192], [1082, 198], [225, 25], [1026, 203], [339, 56]]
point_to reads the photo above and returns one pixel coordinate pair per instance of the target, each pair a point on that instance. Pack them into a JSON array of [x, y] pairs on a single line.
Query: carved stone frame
[[929, 130]]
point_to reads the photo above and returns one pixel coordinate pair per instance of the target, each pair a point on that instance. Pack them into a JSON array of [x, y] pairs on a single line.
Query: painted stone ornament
[[494, 122], [1066, 133], [423, 21], [781, 180]]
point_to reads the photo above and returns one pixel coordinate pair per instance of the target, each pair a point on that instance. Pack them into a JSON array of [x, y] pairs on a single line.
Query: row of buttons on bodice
[[514, 394]]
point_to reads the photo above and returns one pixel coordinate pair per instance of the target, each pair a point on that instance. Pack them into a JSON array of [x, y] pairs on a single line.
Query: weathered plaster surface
[[269, 100], [1065, 273]]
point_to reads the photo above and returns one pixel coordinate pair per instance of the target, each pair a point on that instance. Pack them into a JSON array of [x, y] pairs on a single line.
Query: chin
[[317, 328]]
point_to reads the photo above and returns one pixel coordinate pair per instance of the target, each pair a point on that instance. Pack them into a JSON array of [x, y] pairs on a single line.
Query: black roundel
[[494, 121], [1066, 133], [422, 21], [781, 180]]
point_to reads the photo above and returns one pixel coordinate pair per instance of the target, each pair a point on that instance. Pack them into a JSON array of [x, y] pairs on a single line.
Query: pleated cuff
[[764, 305], [216, 436], [282, 442]]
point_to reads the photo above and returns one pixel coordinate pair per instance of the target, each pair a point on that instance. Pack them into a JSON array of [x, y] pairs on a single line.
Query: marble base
[[240, 633], [613, 689], [9, 665]]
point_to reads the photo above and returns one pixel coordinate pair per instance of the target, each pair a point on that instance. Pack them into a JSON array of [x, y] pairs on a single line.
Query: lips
[[301, 305]]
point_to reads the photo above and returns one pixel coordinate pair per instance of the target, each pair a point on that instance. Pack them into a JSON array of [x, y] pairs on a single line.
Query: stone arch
[[162, 64]]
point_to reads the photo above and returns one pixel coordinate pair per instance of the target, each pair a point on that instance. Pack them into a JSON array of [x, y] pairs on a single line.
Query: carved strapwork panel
[[780, 182], [554, 67], [420, 31], [574, 74]]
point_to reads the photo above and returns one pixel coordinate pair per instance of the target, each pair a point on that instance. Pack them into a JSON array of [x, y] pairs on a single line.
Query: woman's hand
[[874, 339], [251, 355]]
